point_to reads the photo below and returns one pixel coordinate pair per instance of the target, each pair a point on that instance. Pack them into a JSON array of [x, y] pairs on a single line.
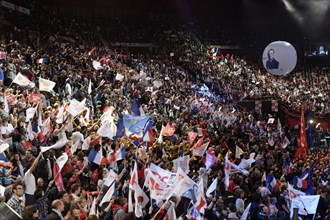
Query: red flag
[[27, 145], [68, 151], [10, 98], [112, 157], [41, 137], [199, 143], [91, 51], [34, 97], [192, 136], [168, 130], [58, 177], [302, 142], [94, 142]]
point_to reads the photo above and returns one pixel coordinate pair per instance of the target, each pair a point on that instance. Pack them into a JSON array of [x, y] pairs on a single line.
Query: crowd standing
[[167, 86]]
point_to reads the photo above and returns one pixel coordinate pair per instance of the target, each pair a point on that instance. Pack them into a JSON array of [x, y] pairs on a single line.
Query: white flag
[[212, 187], [305, 204], [133, 183], [246, 162], [60, 114], [46, 85], [107, 130], [119, 77], [108, 195], [75, 108], [45, 126], [89, 87], [29, 131], [246, 212], [160, 138], [7, 109], [130, 202], [62, 160], [74, 147], [157, 84], [111, 176], [30, 112], [97, 65], [170, 215], [93, 208], [199, 151], [3, 146], [182, 162], [201, 204], [234, 166], [238, 152], [86, 144], [60, 143], [23, 81], [2, 191]]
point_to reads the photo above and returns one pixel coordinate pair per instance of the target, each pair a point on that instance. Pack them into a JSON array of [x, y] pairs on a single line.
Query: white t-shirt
[[138, 210], [77, 136], [264, 191], [30, 183], [7, 129]]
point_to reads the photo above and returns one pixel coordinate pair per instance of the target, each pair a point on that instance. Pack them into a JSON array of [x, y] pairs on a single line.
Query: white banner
[[163, 175], [306, 204]]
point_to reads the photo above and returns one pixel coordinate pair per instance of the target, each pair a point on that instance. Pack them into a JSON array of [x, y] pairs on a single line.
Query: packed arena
[[160, 117]]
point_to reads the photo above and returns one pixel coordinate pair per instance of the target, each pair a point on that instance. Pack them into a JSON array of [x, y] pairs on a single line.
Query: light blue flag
[[135, 124]]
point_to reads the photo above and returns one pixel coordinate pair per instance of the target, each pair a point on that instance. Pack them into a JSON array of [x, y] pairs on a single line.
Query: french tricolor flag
[[306, 173], [41, 60], [147, 133], [117, 155], [4, 161], [91, 51], [97, 158], [300, 183], [272, 183]]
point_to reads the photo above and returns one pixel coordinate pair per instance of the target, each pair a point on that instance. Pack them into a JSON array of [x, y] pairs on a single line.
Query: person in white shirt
[[264, 191], [6, 128], [240, 202], [30, 182]]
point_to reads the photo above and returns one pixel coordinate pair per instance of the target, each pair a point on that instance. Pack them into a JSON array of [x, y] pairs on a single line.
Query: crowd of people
[[191, 99]]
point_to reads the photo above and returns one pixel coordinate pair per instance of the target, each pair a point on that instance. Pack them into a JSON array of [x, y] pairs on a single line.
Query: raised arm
[[35, 163]]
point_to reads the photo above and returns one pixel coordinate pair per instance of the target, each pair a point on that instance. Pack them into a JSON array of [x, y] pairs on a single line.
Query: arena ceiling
[[192, 7]]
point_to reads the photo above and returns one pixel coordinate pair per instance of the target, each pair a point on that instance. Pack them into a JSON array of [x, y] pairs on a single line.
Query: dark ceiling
[[185, 7]]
